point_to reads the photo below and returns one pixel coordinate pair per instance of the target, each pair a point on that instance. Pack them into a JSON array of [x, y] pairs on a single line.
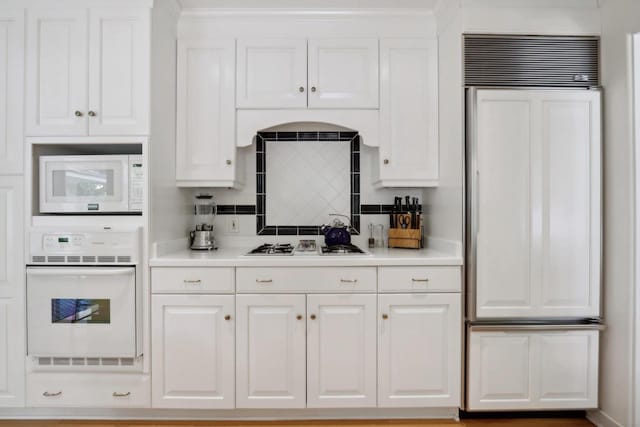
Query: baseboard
[[601, 419]]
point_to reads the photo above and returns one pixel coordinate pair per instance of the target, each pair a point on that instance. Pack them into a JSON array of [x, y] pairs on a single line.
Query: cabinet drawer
[[420, 279], [192, 280], [306, 279], [88, 390]]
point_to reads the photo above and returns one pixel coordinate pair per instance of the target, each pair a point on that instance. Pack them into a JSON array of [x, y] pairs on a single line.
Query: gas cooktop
[[305, 247], [273, 249]]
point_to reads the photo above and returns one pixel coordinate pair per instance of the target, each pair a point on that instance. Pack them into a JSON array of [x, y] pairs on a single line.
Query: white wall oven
[[83, 294], [91, 184]]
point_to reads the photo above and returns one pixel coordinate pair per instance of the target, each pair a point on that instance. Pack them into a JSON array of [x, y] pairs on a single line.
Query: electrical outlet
[[233, 224]]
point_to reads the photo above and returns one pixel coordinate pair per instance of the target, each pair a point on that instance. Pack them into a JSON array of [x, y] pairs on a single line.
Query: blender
[[204, 211]]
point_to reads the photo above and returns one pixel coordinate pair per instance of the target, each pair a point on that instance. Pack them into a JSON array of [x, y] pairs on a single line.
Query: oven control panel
[[59, 242]]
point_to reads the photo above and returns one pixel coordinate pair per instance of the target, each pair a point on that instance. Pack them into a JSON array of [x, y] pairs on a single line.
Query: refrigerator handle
[[537, 328], [472, 200]]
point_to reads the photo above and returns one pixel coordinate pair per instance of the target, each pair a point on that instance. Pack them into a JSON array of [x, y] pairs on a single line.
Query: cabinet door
[[193, 351], [119, 55], [205, 144], [408, 113], [419, 356], [341, 354], [11, 91], [533, 370], [12, 316], [270, 351], [272, 73], [343, 73], [569, 175], [504, 144], [56, 86]]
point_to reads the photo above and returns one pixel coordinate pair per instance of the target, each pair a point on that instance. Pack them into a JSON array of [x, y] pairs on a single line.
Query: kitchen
[[221, 210]]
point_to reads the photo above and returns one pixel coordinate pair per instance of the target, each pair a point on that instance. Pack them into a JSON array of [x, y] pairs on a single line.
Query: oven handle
[[73, 271]]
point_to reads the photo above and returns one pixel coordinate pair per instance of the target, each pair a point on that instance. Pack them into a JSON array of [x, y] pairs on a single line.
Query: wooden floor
[[520, 422]]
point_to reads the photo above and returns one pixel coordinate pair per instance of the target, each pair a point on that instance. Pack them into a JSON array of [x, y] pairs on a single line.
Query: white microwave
[[91, 184]]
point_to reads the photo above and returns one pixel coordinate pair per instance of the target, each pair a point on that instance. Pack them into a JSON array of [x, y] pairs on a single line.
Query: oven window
[[65, 310], [83, 182]]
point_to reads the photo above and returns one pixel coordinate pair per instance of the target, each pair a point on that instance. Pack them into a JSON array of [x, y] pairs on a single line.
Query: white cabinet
[[408, 113], [193, 346], [87, 72], [270, 363], [205, 142], [331, 73], [341, 351], [533, 370], [272, 73], [538, 206], [419, 354], [12, 284], [11, 91]]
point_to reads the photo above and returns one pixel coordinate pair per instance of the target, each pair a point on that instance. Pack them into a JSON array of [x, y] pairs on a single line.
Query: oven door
[[81, 312], [76, 184]]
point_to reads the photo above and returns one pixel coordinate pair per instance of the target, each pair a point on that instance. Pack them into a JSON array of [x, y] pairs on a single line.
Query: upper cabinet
[[408, 113], [320, 73], [87, 72], [205, 144], [11, 84]]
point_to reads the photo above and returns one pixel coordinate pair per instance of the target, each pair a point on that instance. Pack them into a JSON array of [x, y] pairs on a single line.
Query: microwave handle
[[91, 271]]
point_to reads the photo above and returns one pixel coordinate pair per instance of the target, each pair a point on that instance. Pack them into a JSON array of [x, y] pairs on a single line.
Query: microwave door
[[84, 184]]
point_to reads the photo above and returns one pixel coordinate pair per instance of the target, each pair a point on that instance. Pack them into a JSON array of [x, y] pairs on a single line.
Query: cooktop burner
[[342, 249], [273, 249]]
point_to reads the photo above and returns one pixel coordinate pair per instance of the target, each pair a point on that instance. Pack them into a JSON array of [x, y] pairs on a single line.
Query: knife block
[[404, 238]]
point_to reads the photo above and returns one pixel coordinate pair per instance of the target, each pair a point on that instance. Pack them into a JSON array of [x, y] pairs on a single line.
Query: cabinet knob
[[299, 317], [385, 316], [116, 394], [313, 88], [227, 317], [228, 162], [92, 114], [78, 113], [385, 161], [47, 394], [301, 89], [313, 317]]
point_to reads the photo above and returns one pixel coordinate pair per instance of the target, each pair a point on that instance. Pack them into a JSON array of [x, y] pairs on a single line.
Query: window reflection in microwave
[[80, 310]]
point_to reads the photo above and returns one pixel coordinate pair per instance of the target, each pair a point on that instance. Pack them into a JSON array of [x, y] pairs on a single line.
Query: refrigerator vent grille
[[532, 61]]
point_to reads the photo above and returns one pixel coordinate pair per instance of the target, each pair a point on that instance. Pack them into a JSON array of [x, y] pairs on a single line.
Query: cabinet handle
[[313, 88], [227, 317], [348, 280], [299, 317], [301, 89], [194, 282], [92, 114], [228, 162], [78, 113], [47, 394], [419, 280], [312, 317], [264, 280], [385, 161], [116, 394], [385, 316]]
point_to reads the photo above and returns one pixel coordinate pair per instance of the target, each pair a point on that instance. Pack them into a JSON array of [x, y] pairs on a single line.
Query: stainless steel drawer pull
[[116, 394], [193, 282], [348, 280], [419, 280], [264, 280], [47, 394]]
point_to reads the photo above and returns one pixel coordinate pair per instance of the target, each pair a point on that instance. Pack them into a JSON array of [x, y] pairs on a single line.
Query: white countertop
[[236, 257]]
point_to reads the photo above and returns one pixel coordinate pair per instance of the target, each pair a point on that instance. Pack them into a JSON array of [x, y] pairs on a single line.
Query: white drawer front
[[88, 390], [420, 279], [306, 279], [192, 280]]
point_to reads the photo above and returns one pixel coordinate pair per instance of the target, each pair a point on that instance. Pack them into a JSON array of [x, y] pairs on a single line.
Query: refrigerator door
[[520, 367], [534, 205]]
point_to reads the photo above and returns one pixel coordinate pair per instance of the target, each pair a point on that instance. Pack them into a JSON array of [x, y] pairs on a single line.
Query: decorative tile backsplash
[[311, 174]]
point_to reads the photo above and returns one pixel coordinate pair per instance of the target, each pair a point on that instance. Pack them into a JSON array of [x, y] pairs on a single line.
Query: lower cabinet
[[341, 350], [516, 370], [193, 346], [270, 351], [419, 350]]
